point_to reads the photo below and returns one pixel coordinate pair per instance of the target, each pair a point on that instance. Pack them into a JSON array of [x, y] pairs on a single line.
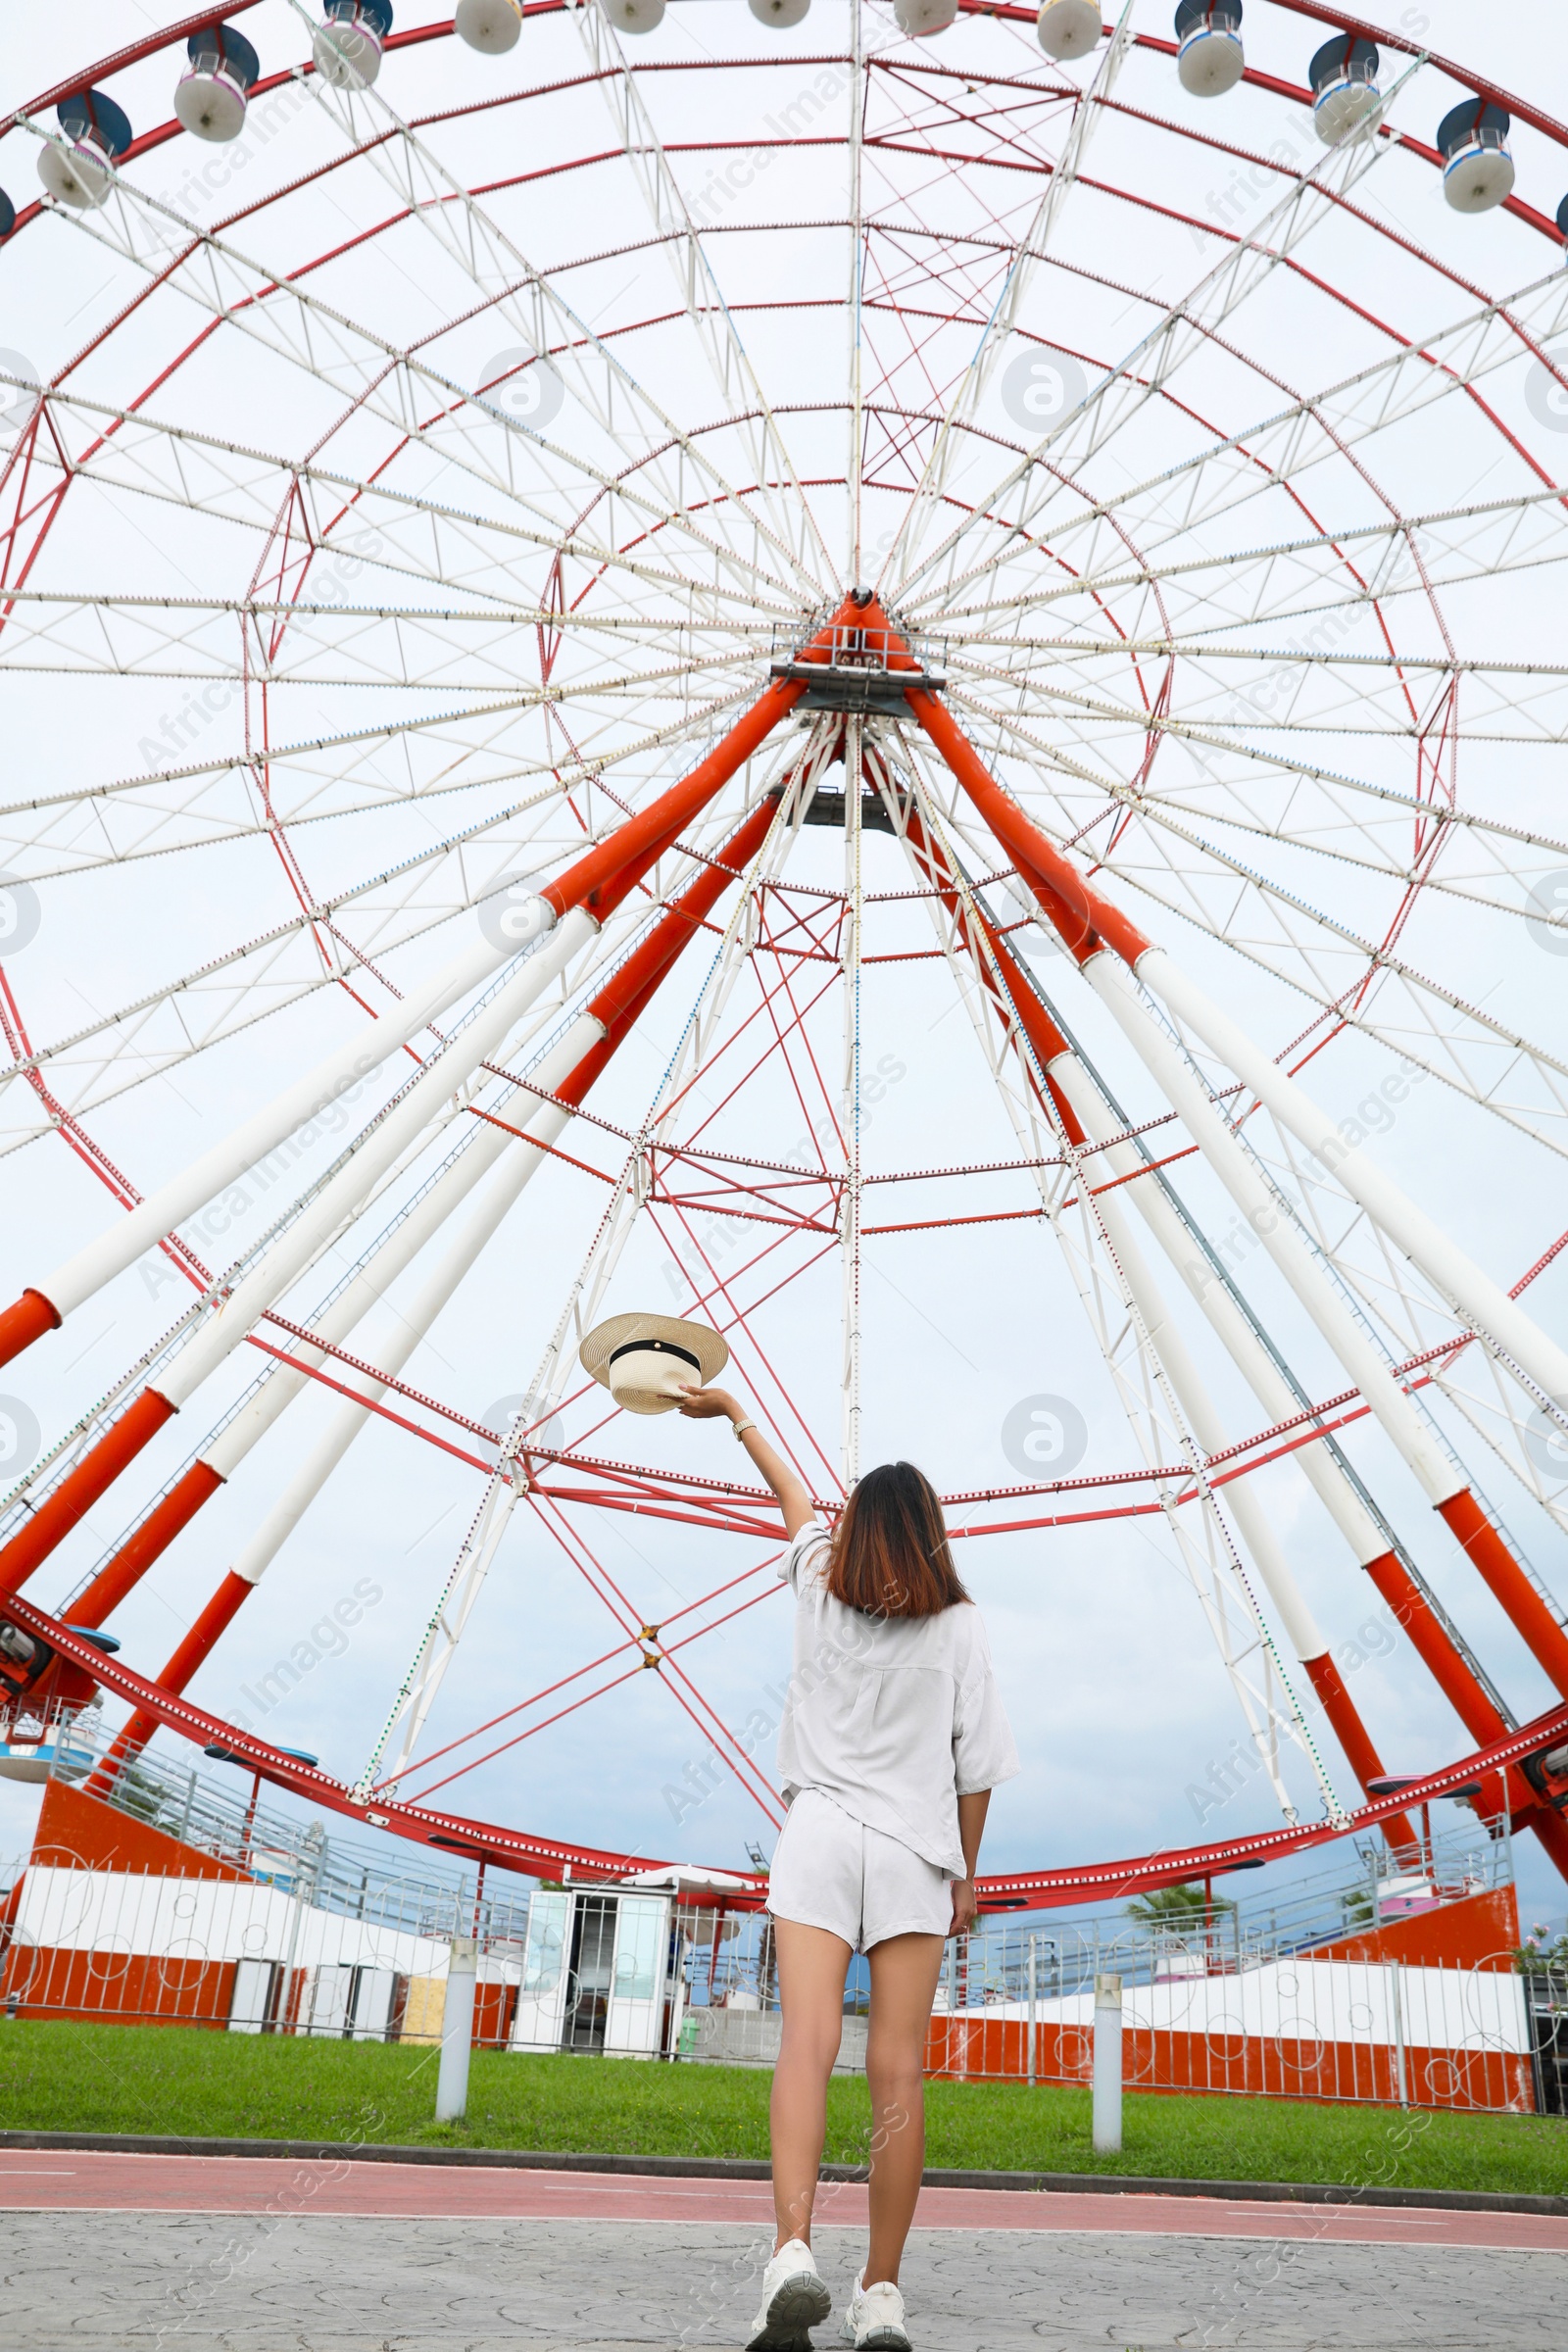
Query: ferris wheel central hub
[[860, 665]]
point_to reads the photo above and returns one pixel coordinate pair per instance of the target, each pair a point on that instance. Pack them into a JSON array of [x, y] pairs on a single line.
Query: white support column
[[1239, 1173], [1202, 1416], [1473, 1295], [1319, 1462], [1191, 1390], [447, 1624], [173, 1202], [1226, 1319], [339, 1200]]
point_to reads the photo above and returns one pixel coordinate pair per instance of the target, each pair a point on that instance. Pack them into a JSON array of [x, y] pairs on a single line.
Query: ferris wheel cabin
[[76, 168], [210, 101], [489, 26], [1345, 101], [1068, 29], [1209, 60], [921, 18], [1477, 165], [634, 15], [348, 46]]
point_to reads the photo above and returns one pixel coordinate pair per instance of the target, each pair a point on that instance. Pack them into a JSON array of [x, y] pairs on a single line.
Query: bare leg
[[811, 1968], [903, 1983]]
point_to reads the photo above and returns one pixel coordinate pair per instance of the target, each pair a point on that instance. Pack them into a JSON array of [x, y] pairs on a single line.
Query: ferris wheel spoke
[[174, 809], [745, 401], [406, 648], [1111, 407], [422, 410], [790, 525], [366, 523], [1494, 1066], [1351, 979], [1261, 461], [1240, 783], [1262, 793], [1293, 691], [1529, 320], [173, 1025], [962, 403], [1491, 882], [1264, 584]]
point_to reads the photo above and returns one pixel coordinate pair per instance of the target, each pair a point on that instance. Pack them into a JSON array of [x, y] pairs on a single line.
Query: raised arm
[[713, 1404]]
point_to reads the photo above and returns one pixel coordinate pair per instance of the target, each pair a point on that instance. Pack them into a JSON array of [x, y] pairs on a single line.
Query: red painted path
[[61, 2181]]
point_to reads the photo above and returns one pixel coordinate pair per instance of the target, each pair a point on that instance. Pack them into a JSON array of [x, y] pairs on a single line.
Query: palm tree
[[1177, 1907]]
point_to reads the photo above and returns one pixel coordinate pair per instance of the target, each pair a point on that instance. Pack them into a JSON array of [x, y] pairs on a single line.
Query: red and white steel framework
[[553, 483]]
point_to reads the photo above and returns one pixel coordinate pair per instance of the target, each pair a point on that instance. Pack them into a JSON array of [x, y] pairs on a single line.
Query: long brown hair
[[890, 1555]]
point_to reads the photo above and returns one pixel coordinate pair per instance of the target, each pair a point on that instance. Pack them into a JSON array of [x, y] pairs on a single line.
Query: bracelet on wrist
[[740, 1428]]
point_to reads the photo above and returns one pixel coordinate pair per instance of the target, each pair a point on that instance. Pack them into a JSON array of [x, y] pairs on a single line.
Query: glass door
[[591, 1974]]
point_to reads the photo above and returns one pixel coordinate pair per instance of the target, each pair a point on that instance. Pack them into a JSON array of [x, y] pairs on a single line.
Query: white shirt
[[893, 1718]]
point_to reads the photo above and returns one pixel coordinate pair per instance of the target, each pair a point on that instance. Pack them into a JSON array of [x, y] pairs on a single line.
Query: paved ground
[[245, 2255]]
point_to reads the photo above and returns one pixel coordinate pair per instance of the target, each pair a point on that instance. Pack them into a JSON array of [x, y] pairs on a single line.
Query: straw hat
[[646, 1360]]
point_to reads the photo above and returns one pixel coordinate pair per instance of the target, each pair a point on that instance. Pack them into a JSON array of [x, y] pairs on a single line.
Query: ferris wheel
[[572, 584]]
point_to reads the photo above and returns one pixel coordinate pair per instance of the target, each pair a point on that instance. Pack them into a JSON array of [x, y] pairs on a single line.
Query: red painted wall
[[980, 2047], [114, 1988], [1480, 1931], [80, 1831]]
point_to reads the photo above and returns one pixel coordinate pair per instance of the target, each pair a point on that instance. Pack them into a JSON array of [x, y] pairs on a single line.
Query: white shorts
[[832, 1871]]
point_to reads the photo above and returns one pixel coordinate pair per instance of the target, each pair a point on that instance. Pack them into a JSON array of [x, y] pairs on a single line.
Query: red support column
[[79, 1490], [1083, 917], [215, 1619], [1352, 1735], [149, 1541], [24, 1321], [1409, 1605], [1548, 1644]]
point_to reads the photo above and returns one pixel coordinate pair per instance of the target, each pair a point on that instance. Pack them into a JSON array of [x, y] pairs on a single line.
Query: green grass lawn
[[81, 2077]]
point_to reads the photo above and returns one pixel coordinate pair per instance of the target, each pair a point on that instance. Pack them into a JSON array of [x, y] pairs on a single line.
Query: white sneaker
[[873, 2320], [794, 2300]]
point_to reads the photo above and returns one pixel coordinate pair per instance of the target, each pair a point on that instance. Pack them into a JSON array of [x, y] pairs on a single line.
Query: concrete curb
[[742, 2168]]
